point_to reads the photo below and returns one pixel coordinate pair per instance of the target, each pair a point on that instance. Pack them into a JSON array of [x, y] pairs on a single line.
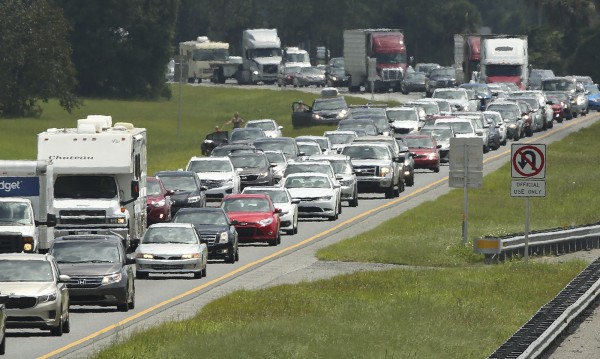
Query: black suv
[[215, 229], [186, 187], [100, 272]]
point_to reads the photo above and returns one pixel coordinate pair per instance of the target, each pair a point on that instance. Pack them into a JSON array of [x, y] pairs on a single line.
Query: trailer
[[203, 59]]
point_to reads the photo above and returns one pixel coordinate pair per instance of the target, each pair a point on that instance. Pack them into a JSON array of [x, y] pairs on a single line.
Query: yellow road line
[[278, 253]]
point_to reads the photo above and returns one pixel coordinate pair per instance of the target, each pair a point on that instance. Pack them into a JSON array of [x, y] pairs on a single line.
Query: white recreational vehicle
[[99, 177], [26, 209]]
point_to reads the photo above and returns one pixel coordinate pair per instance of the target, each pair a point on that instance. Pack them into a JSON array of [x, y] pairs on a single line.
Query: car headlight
[[316, 117], [580, 100], [117, 220], [194, 199], [145, 256], [112, 278], [512, 125], [266, 221], [263, 174], [51, 297], [432, 156], [160, 203], [342, 114], [190, 256], [324, 198], [223, 237], [384, 171]]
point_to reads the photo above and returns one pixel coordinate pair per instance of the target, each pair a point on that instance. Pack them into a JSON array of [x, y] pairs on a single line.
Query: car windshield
[[329, 104], [309, 149], [416, 76], [311, 71], [443, 72], [450, 95], [508, 112], [290, 70], [85, 252], [249, 161], [284, 146], [275, 157], [25, 271], [209, 166], [459, 127], [369, 128], [340, 138], [277, 196], [307, 182], [201, 218], [179, 183], [558, 85], [85, 187], [153, 188], [440, 134], [246, 134], [367, 152], [341, 167], [265, 126], [431, 108], [164, 235], [481, 91], [419, 142], [402, 115], [308, 167], [246, 205], [15, 214], [593, 89], [391, 58]]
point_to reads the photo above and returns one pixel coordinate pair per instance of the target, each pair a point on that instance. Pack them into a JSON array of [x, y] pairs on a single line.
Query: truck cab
[[261, 58]]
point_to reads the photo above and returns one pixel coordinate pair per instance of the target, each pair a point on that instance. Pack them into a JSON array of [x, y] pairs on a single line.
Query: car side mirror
[[234, 222], [169, 192], [135, 189], [203, 188], [63, 278], [439, 146], [278, 210], [129, 260], [51, 220], [295, 201]]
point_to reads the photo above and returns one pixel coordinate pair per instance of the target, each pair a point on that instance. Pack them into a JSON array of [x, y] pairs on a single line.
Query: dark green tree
[[35, 58], [121, 48]]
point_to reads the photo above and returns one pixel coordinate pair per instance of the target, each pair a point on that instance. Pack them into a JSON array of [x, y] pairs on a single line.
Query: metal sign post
[[528, 172], [372, 75], [466, 170]]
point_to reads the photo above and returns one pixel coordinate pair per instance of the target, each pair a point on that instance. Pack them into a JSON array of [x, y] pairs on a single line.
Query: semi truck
[[99, 174], [467, 57], [261, 58], [375, 55], [504, 58], [26, 206], [203, 59]]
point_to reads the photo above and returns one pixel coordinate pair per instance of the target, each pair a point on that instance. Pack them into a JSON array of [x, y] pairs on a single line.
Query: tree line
[[69, 49]]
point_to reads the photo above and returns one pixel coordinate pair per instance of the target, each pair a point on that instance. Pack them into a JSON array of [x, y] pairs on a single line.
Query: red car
[[424, 149], [158, 202], [257, 219]]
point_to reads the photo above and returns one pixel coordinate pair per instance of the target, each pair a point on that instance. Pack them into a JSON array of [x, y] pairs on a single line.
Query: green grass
[[430, 235], [460, 309], [451, 313]]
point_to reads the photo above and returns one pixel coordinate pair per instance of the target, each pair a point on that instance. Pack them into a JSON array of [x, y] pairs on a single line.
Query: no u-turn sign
[[528, 161]]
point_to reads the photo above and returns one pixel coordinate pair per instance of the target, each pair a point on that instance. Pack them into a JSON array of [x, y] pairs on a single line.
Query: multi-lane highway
[[173, 298]]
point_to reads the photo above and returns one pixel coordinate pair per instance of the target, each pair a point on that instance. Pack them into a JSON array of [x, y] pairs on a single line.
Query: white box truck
[[261, 58], [26, 209], [504, 58], [99, 177]]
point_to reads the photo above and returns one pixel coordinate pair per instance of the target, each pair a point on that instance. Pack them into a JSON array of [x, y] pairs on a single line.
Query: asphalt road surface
[[163, 298]]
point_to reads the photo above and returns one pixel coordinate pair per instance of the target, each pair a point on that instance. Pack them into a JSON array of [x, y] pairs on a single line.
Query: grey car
[[101, 274], [38, 294], [344, 173]]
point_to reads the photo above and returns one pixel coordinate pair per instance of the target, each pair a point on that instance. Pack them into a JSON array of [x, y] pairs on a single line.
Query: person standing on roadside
[[236, 121]]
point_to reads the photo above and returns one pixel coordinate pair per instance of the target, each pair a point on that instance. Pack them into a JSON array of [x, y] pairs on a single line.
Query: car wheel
[[389, 193], [58, 330], [437, 169], [340, 207], [204, 271], [131, 303], [198, 275], [141, 275], [272, 242], [353, 202], [295, 230], [66, 326], [278, 238], [123, 307], [237, 253], [230, 256]]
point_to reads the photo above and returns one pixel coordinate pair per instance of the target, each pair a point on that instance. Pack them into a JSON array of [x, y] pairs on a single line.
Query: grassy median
[[446, 305]]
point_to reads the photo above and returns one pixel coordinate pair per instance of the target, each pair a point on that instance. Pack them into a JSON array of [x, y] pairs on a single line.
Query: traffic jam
[[89, 188]]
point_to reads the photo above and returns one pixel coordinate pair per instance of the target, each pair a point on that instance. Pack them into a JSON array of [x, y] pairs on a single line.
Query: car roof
[[199, 210], [89, 238], [171, 225], [220, 158], [176, 173], [310, 174], [328, 157], [246, 195]]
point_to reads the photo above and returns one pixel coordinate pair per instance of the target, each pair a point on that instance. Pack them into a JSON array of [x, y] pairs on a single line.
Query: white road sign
[[528, 188], [528, 161]]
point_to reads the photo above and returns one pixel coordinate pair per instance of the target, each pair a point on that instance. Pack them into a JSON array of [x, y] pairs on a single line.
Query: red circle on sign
[[519, 152]]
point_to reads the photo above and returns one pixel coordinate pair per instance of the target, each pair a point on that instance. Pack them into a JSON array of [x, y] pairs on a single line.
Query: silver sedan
[[172, 248]]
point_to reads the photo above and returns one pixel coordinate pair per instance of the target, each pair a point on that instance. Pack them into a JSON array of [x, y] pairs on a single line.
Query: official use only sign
[[528, 170]]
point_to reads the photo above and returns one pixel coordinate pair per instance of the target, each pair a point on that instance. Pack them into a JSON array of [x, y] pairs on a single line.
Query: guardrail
[[555, 241]]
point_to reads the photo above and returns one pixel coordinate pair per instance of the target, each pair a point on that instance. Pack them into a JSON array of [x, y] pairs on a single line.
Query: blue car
[[483, 92], [593, 97]]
